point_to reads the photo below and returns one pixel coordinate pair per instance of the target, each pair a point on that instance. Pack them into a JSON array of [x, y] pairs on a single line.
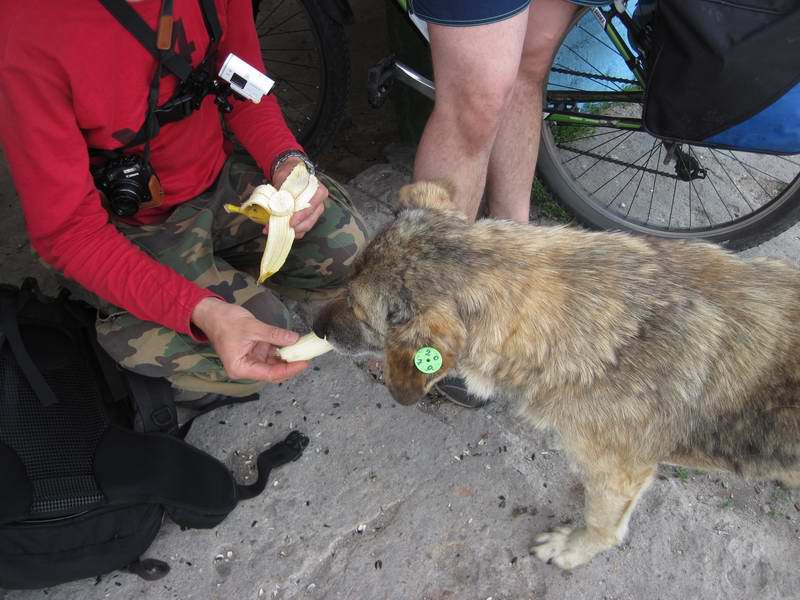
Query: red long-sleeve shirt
[[72, 77]]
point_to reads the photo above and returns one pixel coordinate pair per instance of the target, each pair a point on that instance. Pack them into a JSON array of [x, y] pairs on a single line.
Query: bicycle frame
[[560, 104]]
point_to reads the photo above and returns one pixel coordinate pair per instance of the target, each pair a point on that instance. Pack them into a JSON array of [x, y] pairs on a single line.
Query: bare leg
[[612, 489], [475, 69], [513, 160]]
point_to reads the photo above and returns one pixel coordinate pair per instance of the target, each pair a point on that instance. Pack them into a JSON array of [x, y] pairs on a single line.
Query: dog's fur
[[636, 351]]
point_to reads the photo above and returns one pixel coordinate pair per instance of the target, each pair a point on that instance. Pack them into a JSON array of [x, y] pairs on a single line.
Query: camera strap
[[185, 101]]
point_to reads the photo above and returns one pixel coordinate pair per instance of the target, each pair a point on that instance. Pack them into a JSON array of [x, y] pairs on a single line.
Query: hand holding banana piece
[[307, 347], [276, 207]]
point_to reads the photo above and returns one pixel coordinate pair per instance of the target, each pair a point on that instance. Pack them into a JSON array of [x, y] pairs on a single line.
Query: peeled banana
[[276, 207], [307, 347]]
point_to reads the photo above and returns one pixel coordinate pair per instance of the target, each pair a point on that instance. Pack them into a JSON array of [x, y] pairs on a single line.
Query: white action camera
[[244, 79]]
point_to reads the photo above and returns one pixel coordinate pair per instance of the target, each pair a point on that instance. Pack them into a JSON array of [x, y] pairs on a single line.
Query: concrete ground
[[438, 502]]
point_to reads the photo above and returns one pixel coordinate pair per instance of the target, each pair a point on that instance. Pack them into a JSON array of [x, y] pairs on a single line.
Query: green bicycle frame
[[572, 97]]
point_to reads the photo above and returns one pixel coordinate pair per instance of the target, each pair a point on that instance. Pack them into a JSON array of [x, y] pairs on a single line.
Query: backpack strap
[[138, 27], [285, 451], [9, 326], [281, 453]]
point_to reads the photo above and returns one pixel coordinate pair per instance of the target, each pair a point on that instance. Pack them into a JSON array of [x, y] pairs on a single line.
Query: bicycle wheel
[[612, 175], [306, 52]]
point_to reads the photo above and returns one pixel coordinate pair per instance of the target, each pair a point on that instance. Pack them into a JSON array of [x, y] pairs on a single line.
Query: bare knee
[[474, 113]]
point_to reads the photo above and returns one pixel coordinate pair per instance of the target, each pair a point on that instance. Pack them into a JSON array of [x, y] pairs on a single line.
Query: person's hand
[[301, 221], [245, 345]]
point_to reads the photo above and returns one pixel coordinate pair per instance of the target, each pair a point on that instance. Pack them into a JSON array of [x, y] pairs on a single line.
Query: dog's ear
[[437, 328], [432, 195], [400, 309]]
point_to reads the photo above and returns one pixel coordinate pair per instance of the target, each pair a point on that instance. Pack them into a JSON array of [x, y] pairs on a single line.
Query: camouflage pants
[[212, 248]]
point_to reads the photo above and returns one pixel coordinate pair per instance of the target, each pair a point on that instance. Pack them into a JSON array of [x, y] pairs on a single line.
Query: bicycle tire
[[763, 224], [315, 129]]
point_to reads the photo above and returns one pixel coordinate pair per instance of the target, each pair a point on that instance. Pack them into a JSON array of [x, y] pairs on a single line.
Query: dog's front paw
[[567, 548]]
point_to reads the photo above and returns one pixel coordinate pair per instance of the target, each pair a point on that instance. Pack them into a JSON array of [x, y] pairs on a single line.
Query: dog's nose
[[320, 329], [320, 326]]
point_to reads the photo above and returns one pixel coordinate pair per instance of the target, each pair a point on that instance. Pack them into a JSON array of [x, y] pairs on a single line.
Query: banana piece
[[276, 207], [307, 347]]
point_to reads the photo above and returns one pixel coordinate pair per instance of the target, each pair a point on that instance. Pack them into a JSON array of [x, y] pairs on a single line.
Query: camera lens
[[124, 200]]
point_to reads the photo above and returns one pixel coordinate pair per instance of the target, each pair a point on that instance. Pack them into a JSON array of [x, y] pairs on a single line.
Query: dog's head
[[402, 295]]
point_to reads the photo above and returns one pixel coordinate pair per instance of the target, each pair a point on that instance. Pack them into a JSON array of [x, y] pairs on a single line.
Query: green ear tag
[[428, 360]]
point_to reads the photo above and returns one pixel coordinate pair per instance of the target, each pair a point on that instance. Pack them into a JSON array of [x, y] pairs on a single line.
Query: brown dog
[[637, 351]]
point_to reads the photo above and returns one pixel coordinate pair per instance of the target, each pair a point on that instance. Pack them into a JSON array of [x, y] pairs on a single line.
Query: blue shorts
[[475, 12]]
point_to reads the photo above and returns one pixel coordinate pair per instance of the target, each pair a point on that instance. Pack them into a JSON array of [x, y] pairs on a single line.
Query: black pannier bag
[[726, 73], [91, 456]]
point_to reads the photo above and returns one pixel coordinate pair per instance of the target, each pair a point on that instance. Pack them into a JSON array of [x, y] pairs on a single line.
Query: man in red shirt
[[173, 304]]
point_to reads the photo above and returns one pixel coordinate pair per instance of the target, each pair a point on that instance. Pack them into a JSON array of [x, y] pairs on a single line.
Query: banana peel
[[275, 207]]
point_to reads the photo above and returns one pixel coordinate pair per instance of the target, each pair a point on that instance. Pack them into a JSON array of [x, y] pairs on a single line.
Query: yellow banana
[[276, 207]]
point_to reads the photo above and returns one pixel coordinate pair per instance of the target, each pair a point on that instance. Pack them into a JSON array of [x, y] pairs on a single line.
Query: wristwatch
[[284, 156]]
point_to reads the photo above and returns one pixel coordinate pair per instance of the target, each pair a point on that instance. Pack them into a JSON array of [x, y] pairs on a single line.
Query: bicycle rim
[[616, 178], [292, 51]]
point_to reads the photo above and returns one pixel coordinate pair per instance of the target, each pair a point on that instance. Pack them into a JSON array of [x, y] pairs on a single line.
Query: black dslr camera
[[125, 182]]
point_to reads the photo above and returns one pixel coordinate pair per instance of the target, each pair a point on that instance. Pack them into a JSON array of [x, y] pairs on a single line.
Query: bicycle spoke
[[612, 161], [796, 164], [295, 82], [291, 64], [763, 189], [714, 154], [286, 20], [691, 187], [613, 177], [745, 165], [299, 92], [266, 49], [638, 185], [597, 146], [672, 206], [591, 66], [629, 134], [655, 181], [601, 41], [274, 10], [627, 183], [274, 35], [711, 181]]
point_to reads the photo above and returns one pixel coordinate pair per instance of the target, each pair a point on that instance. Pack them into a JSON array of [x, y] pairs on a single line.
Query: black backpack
[[726, 74], [91, 456]]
